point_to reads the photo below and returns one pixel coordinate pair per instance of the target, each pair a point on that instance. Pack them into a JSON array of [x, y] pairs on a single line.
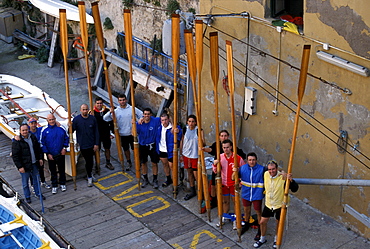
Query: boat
[[18, 230], [19, 101], [52, 7]]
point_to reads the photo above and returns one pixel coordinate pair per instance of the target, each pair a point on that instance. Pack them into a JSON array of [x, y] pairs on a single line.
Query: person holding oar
[[227, 165], [274, 181]]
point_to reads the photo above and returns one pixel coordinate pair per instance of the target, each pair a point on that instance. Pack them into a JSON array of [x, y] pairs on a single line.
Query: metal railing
[[159, 65]]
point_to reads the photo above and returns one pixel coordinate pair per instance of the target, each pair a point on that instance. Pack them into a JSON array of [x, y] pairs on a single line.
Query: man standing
[[274, 186], [147, 131], [227, 165], [87, 134], [251, 175], [54, 141], [27, 154], [124, 122], [105, 129]]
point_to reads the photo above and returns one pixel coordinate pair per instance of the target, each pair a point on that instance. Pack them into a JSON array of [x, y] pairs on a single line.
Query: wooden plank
[[53, 43]]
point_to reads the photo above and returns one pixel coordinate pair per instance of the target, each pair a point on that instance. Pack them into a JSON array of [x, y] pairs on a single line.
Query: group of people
[[156, 140], [257, 183]]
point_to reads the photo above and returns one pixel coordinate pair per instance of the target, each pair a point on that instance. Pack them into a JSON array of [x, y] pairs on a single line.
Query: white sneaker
[[223, 222], [45, 185], [234, 225], [89, 182], [63, 188], [54, 190]]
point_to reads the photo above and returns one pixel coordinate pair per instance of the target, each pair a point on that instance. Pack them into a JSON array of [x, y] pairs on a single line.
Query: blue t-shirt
[[147, 131]]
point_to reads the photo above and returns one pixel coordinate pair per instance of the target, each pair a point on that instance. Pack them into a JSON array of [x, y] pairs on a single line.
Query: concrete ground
[[307, 228]]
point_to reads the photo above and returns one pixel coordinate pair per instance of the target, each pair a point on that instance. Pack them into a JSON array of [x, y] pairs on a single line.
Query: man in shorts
[[274, 181], [124, 122], [227, 165], [251, 175], [147, 132]]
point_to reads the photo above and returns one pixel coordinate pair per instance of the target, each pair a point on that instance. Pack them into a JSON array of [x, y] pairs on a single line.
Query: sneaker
[[63, 188], [54, 190], [28, 200], [274, 245], [223, 222], [32, 189], [89, 182], [145, 183], [128, 166], [155, 184], [234, 225], [167, 183], [109, 166], [45, 185], [259, 243]]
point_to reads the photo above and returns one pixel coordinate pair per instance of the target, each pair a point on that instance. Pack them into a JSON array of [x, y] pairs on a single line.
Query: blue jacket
[[147, 132], [53, 140], [86, 131], [169, 140], [252, 182]]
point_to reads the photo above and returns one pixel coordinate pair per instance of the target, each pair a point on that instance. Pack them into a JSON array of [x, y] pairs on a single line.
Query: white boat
[[19, 100], [18, 230], [52, 7]]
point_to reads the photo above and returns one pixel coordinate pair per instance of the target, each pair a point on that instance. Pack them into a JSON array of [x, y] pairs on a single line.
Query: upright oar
[[193, 75], [213, 39], [175, 57], [100, 37], [64, 45], [85, 42], [230, 72], [128, 41], [301, 88], [199, 64]]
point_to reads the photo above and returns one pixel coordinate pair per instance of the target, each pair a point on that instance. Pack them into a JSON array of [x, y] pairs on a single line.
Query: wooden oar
[[199, 64], [175, 57], [301, 88], [100, 38], [85, 42], [193, 71], [64, 45], [213, 39], [230, 72], [128, 41]]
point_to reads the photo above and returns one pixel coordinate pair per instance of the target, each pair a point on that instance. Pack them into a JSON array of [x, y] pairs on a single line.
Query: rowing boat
[[18, 230], [19, 101], [52, 7]]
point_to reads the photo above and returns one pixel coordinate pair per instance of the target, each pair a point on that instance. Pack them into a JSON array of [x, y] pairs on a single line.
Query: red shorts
[[228, 191], [257, 205], [190, 163]]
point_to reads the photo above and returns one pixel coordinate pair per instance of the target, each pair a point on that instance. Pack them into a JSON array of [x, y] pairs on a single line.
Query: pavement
[[306, 226]]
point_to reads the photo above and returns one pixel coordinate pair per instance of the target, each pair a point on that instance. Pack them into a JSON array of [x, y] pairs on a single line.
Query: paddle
[[192, 71], [213, 39], [301, 88], [64, 45], [128, 41], [100, 38], [230, 72], [199, 64], [175, 57], [84, 38]]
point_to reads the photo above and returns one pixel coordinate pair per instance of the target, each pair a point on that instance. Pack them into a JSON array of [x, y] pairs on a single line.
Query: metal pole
[[333, 182]]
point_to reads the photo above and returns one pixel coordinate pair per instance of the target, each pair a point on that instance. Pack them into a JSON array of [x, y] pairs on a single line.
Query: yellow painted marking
[[177, 246], [166, 205], [117, 197], [130, 179], [196, 237], [18, 219], [45, 245]]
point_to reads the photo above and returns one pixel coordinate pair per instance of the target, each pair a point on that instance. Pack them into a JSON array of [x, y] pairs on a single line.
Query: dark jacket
[[86, 131], [21, 153]]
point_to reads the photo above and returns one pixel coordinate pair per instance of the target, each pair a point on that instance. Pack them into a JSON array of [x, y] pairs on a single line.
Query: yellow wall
[[316, 156]]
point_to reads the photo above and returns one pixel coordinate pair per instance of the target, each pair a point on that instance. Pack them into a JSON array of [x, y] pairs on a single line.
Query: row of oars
[[195, 64]]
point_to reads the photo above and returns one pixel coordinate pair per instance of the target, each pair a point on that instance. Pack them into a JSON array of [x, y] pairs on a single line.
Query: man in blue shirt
[[147, 131], [87, 133]]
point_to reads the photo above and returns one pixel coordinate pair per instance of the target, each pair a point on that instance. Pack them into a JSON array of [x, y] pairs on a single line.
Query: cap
[[32, 120]]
